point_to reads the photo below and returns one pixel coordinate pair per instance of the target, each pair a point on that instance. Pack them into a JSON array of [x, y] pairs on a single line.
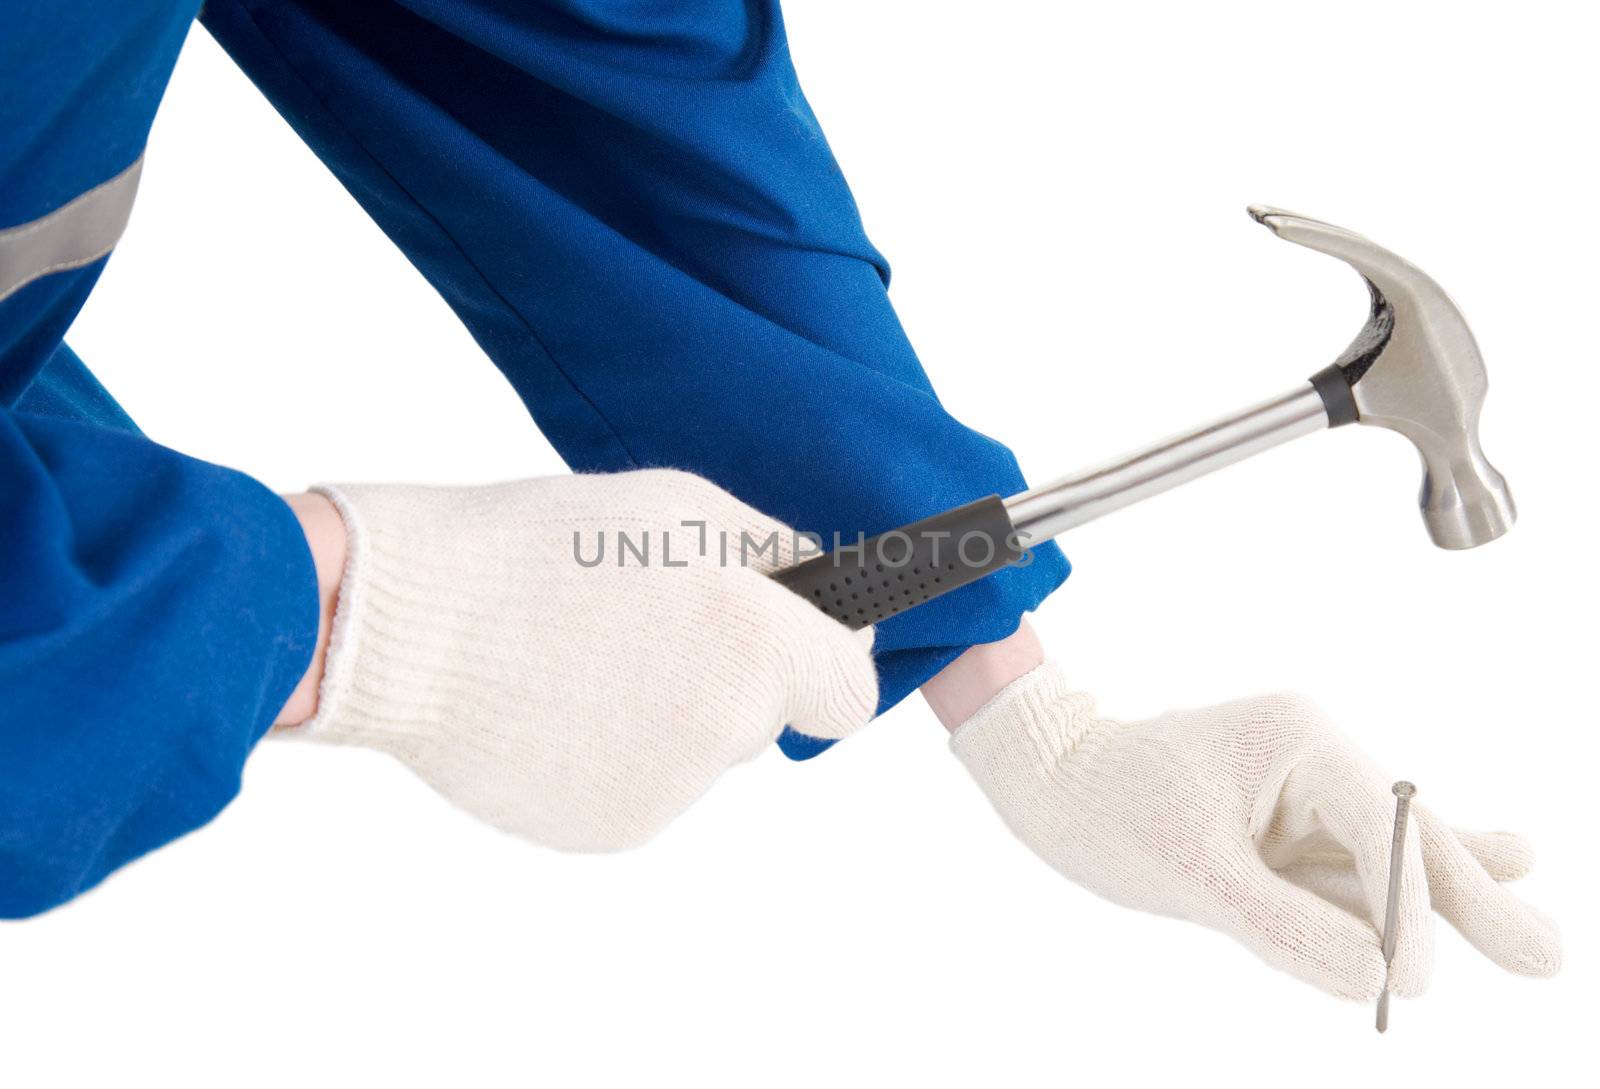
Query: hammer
[[1413, 368]]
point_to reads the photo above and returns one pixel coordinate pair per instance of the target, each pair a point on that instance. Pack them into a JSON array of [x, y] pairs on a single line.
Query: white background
[[1060, 189]]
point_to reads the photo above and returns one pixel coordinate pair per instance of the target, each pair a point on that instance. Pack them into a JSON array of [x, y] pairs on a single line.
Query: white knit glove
[[1255, 818], [580, 706]]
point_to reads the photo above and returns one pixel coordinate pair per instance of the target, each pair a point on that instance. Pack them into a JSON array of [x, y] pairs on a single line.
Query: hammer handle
[[873, 579]]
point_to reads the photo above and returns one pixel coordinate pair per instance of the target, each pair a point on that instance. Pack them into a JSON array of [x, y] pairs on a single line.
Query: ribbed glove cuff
[[397, 619], [1035, 718]]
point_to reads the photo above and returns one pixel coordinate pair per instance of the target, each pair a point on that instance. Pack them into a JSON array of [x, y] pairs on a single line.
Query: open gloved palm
[[580, 704], [1255, 818]]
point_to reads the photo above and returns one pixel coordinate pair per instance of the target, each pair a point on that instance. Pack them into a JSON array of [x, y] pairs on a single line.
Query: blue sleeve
[[155, 614], [155, 611]]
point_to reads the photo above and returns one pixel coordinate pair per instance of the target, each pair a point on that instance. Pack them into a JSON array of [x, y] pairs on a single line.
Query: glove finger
[[1356, 806], [830, 682], [1505, 855], [1303, 934], [1504, 929]]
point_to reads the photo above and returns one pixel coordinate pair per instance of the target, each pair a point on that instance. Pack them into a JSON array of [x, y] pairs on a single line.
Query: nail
[[1403, 793]]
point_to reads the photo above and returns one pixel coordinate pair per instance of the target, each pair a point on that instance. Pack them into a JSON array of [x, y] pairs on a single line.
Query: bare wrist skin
[[325, 535], [957, 692]]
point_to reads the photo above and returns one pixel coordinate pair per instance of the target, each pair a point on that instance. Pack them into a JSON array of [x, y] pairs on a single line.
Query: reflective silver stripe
[[80, 231]]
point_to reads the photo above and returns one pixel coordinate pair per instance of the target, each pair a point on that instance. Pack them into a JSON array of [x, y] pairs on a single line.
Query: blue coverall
[[631, 206]]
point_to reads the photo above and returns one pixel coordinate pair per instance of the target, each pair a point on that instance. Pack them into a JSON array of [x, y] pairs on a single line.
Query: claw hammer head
[[1414, 368]]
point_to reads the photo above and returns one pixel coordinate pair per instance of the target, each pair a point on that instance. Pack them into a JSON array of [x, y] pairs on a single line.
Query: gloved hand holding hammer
[[505, 644]]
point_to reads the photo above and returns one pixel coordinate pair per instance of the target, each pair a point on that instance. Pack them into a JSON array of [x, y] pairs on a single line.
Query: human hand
[[1255, 818], [580, 705]]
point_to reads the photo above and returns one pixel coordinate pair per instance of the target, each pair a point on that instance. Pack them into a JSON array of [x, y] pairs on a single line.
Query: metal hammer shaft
[[1044, 512], [882, 576]]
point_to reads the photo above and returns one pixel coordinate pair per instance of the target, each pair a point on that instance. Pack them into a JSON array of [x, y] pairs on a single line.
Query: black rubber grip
[[862, 583]]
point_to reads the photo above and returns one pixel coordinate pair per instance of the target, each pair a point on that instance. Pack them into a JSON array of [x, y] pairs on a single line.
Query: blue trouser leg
[[155, 611], [637, 215]]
